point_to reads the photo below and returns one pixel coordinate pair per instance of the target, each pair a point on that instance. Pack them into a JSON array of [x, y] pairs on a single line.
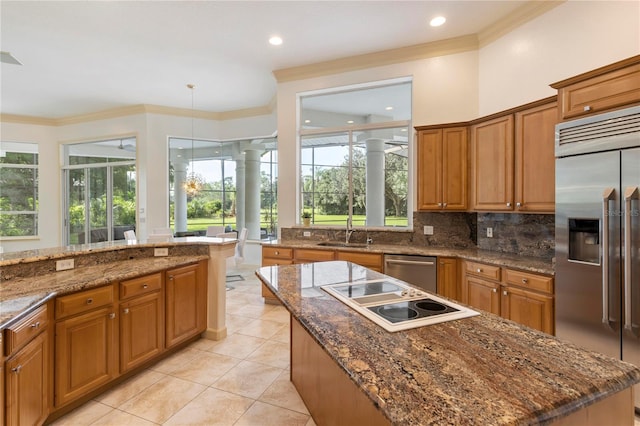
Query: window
[[354, 152], [100, 190], [18, 189], [237, 186]]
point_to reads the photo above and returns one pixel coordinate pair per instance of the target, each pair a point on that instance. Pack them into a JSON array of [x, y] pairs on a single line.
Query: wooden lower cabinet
[[312, 255], [448, 283], [86, 353], [186, 303], [522, 297], [368, 260], [27, 383], [141, 330]]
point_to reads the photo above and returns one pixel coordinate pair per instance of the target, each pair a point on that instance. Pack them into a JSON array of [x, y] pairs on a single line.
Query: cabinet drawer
[[530, 281], [22, 332], [268, 261], [83, 301], [277, 252], [311, 255], [482, 270], [140, 285], [363, 259]]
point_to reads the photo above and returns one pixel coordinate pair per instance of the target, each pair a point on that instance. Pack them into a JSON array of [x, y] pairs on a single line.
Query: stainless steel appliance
[[395, 305], [416, 270], [598, 234]]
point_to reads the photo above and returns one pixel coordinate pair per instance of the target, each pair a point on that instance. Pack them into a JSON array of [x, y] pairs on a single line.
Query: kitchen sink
[[340, 244]]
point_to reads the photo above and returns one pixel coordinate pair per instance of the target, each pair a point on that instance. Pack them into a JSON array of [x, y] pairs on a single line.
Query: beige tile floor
[[242, 380]]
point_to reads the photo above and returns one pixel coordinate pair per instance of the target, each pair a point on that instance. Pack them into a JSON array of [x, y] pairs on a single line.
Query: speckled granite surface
[[481, 370], [28, 278], [530, 264]]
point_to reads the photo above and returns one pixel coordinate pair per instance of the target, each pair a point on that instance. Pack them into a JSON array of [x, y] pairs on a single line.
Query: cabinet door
[[368, 260], [86, 353], [528, 308], [454, 168], [492, 162], [535, 177], [430, 169], [141, 330], [483, 294], [27, 383], [448, 283], [311, 255], [186, 299]]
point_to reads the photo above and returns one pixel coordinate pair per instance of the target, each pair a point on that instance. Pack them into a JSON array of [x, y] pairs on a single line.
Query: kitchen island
[[480, 370]]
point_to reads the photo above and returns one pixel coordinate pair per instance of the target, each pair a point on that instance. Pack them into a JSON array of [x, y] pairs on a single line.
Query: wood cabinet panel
[[277, 252], [141, 330], [17, 335], [535, 159], [492, 151], [448, 282], [142, 285], [27, 383], [311, 255], [483, 294], [491, 272], [600, 92], [442, 169], [85, 353], [528, 308], [529, 281], [186, 299], [368, 260], [84, 301]]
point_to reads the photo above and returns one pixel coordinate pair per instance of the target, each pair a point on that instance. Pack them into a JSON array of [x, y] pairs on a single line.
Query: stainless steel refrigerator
[[598, 234]]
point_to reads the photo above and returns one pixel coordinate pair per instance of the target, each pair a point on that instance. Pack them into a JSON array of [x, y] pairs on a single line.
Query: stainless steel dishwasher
[[416, 270]]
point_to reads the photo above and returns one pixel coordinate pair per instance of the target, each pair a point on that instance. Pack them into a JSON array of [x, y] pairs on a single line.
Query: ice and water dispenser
[[584, 240]]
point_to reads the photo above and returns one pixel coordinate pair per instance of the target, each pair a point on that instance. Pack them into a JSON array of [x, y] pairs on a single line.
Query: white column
[[180, 195], [240, 192], [375, 182], [252, 194]]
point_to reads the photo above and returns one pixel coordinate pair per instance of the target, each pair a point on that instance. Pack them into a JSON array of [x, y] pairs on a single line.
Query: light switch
[[428, 230]]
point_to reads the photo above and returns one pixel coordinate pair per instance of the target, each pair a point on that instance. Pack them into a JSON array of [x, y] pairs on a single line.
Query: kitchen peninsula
[[478, 370], [76, 320]]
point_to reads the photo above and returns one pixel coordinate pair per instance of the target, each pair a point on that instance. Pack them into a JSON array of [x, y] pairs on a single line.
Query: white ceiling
[[90, 56]]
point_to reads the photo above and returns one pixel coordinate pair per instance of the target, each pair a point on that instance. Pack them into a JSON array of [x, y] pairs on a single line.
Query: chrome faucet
[[349, 230]]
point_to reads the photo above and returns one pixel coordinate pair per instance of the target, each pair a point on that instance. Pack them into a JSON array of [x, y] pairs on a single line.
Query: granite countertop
[[480, 370], [525, 263], [21, 295]]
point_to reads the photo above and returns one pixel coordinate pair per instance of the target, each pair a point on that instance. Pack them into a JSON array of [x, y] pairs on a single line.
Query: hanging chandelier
[[194, 182]]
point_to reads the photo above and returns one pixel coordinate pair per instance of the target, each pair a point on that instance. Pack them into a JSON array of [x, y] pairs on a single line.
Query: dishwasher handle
[[408, 262]]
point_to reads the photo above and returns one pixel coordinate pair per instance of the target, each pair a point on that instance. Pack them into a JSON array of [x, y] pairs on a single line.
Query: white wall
[[571, 39], [444, 90]]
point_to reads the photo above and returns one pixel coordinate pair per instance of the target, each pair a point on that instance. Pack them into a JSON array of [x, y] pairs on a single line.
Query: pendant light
[[193, 184]]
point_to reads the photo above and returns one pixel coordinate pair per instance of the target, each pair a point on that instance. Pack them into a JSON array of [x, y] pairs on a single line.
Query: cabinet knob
[[508, 204], [35, 324], [125, 311], [170, 277], [587, 108], [145, 286], [504, 292], [277, 253], [439, 204], [444, 204], [518, 204], [112, 315], [17, 369], [494, 290], [524, 280], [89, 301], [479, 270]]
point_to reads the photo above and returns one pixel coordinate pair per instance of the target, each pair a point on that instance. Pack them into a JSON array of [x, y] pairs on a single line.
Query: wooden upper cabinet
[[602, 89], [442, 169], [492, 151], [535, 159]]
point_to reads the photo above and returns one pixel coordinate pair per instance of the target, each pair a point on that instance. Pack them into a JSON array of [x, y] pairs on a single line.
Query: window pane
[[124, 200], [18, 189], [76, 188]]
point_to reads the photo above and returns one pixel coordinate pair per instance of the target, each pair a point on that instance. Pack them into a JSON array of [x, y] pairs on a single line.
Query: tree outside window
[[18, 189]]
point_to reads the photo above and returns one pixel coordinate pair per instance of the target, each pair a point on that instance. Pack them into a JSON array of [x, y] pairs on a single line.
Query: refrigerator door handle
[[606, 197], [631, 193]]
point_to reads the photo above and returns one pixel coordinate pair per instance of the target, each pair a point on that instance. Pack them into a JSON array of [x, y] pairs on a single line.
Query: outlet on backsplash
[[489, 232]]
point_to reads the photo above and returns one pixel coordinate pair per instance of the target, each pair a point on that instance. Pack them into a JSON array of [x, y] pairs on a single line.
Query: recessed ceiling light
[[437, 21], [275, 40], [389, 108], [350, 122]]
